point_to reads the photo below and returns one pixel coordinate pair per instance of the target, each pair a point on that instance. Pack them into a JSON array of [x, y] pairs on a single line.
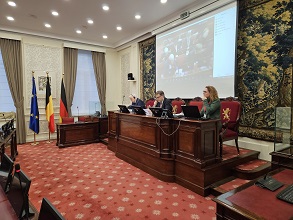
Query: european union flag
[[34, 116]]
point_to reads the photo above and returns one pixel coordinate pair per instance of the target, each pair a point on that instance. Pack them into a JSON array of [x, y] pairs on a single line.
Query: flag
[[63, 103], [49, 107], [34, 116]]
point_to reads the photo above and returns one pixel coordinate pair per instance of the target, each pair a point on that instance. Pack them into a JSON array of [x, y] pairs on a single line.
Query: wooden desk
[[8, 145], [173, 150], [252, 202], [77, 133]]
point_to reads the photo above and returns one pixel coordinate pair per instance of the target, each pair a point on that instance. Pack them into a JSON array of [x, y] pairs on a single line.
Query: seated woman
[[211, 104]]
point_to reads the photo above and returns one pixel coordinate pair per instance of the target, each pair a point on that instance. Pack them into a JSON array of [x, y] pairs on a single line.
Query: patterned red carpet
[[233, 184], [89, 182], [231, 152], [252, 165]]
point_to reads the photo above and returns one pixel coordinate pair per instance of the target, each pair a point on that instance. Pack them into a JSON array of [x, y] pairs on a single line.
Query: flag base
[[35, 143]]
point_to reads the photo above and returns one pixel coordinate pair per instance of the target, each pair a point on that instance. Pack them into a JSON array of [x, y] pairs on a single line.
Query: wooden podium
[[93, 129], [77, 134], [173, 150]]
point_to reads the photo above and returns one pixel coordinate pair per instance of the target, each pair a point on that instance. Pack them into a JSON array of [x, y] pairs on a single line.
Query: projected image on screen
[[198, 53], [189, 53]]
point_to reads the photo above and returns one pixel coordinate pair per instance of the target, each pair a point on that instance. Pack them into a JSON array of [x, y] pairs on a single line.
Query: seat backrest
[[150, 102], [82, 118], [49, 212], [18, 195], [197, 101], [176, 105], [67, 120], [230, 113], [6, 168]]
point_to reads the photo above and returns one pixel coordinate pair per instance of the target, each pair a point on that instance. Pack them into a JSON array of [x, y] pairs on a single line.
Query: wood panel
[[174, 150], [77, 133]]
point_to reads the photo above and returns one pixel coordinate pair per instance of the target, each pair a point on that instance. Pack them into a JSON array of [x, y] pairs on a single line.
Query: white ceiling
[[31, 15]]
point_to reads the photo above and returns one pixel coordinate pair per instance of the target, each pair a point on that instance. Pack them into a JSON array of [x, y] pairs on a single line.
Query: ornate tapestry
[[264, 56], [147, 50]]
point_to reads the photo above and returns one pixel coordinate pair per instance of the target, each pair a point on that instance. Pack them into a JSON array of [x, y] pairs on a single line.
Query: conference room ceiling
[[30, 17]]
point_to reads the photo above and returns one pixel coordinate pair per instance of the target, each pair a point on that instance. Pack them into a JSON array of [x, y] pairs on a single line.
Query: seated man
[[162, 101], [136, 101]]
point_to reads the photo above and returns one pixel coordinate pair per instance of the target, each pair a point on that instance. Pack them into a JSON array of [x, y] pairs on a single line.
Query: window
[[6, 101], [86, 99]]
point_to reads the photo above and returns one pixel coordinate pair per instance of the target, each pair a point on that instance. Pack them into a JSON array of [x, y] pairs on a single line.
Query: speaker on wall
[[130, 76]]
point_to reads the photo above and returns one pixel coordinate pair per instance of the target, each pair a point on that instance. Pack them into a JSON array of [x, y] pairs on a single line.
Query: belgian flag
[[49, 107], [63, 103]]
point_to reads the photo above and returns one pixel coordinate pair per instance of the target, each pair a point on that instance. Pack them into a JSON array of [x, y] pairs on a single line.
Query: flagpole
[[34, 113], [49, 141], [35, 143], [49, 107]]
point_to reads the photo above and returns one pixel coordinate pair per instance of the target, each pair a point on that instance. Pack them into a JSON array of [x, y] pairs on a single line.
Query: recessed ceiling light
[[163, 1], [10, 18], [90, 21], [78, 31], [105, 36], [137, 17], [47, 25], [106, 7], [119, 28], [55, 13], [11, 3]]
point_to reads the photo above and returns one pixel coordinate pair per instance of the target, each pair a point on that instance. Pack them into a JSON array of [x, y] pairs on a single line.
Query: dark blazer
[[166, 104], [138, 102]]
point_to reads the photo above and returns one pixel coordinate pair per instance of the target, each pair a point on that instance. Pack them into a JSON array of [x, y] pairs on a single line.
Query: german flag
[[49, 107], [63, 103]]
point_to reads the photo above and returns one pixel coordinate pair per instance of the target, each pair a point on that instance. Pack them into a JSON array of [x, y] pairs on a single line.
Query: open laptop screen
[[138, 110], [190, 111], [157, 112], [123, 109]]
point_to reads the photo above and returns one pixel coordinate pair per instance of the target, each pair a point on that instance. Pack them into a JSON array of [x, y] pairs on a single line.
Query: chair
[[197, 101], [49, 212], [67, 120], [176, 105], [150, 102], [230, 118], [6, 168], [82, 118], [18, 195]]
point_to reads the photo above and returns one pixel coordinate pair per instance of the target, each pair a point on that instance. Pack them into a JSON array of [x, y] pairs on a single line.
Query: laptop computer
[[167, 113], [157, 112], [123, 109], [191, 111], [138, 110]]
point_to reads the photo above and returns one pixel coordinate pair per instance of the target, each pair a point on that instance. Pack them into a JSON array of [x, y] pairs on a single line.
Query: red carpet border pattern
[[90, 182]]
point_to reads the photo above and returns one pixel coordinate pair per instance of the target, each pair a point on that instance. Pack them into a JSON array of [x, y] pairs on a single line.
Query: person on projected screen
[[136, 101], [161, 101], [211, 104]]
